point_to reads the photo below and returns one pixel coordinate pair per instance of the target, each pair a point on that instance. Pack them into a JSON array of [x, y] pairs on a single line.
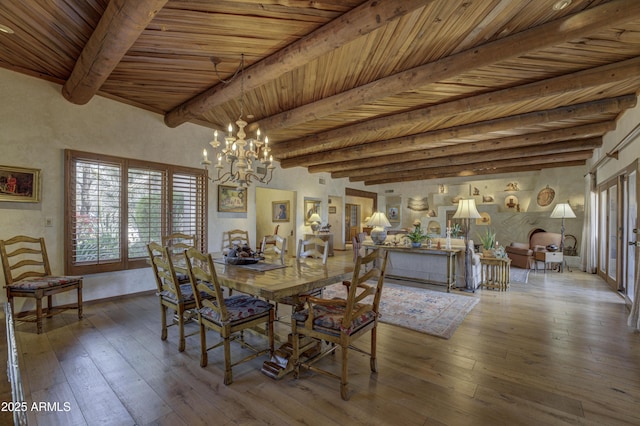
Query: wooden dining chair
[[279, 247], [237, 237], [177, 243], [228, 316], [341, 321], [269, 240], [313, 247], [27, 273], [171, 293]]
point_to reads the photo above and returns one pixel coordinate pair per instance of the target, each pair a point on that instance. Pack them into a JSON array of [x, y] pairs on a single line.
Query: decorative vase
[[416, 245]]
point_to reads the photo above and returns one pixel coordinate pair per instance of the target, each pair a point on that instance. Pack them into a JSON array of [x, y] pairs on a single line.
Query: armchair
[[522, 254]]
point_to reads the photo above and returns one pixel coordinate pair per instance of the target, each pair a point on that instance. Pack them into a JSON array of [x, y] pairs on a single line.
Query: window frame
[[124, 262]]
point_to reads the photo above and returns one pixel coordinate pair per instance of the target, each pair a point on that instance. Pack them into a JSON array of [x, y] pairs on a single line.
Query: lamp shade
[[562, 210], [467, 210], [379, 219], [379, 222], [315, 218]]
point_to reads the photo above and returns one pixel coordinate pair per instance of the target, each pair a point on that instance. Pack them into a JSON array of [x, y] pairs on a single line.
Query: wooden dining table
[[293, 278]]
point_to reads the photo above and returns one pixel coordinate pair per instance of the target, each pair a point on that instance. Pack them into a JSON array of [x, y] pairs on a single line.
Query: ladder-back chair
[[279, 247], [237, 237], [341, 321], [27, 273], [171, 293], [314, 247], [228, 316], [177, 243]]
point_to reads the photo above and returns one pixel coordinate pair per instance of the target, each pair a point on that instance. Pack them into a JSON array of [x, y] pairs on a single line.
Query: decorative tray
[[242, 260]]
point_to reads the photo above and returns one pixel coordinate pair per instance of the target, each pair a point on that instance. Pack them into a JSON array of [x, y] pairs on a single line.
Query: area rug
[[427, 311], [519, 275]]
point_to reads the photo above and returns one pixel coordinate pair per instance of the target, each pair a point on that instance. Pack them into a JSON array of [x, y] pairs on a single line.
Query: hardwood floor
[[554, 351]]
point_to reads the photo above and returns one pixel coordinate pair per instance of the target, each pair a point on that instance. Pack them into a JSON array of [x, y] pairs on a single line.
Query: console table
[[323, 237], [427, 265]]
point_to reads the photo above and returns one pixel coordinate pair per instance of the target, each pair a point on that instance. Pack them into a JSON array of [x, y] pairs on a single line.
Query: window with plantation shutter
[[115, 206]]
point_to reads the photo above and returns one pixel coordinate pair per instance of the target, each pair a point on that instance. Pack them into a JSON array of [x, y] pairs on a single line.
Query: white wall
[[38, 124]]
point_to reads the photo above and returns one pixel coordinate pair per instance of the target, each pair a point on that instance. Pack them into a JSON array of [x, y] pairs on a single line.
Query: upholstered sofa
[[522, 254]]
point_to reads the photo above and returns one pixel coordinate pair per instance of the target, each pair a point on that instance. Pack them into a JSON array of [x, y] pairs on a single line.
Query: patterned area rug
[[519, 275], [432, 312]]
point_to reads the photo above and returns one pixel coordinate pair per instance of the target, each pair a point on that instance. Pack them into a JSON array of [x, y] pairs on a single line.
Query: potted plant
[[488, 241], [417, 236]]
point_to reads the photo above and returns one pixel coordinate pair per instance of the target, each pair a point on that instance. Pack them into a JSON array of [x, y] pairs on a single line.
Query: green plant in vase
[[488, 241], [417, 236]]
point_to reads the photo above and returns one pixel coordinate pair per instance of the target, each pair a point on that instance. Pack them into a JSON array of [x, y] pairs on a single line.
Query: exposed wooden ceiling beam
[[360, 21], [353, 135], [426, 140], [508, 166], [559, 31], [476, 157], [120, 26], [519, 141]]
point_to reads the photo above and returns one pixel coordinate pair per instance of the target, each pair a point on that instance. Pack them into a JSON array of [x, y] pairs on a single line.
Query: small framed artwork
[[311, 206], [231, 199], [333, 210], [280, 211], [19, 184], [393, 213]]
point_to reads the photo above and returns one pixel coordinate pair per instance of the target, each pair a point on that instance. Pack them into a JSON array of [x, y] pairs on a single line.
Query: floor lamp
[[561, 211], [467, 210]]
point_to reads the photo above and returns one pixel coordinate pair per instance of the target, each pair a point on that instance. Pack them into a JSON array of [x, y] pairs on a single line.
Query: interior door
[[352, 221]]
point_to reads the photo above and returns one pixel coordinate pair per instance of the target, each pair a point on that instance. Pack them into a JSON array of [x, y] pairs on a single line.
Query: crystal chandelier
[[239, 153]]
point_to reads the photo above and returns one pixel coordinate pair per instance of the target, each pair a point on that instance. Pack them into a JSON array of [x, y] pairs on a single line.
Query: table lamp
[[379, 232], [315, 220], [467, 210]]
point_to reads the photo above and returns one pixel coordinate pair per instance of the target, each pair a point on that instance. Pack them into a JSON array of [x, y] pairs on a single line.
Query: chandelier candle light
[[240, 153]]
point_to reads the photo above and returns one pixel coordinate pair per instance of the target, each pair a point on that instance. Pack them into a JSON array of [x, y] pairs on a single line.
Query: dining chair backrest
[[314, 247], [178, 242], [204, 281], [237, 237], [24, 257], [280, 247], [163, 270]]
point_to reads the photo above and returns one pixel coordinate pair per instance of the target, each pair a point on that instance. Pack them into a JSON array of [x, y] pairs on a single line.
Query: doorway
[[352, 221]]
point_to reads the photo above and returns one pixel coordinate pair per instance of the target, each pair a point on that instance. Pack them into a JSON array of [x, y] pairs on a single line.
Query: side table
[[495, 273], [549, 257]]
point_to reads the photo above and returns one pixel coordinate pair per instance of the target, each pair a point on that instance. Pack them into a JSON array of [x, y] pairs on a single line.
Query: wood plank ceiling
[[376, 91]]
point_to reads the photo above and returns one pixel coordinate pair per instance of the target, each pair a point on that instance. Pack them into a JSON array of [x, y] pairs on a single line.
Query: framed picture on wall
[[19, 184], [393, 213], [280, 211], [231, 199], [310, 207], [333, 210]]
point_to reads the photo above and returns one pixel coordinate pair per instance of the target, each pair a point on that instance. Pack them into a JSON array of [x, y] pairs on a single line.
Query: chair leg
[[272, 318], [39, 314], [228, 375], [204, 358], [181, 342], [344, 381], [80, 302], [295, 343], [373, 360], [163, 317]]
